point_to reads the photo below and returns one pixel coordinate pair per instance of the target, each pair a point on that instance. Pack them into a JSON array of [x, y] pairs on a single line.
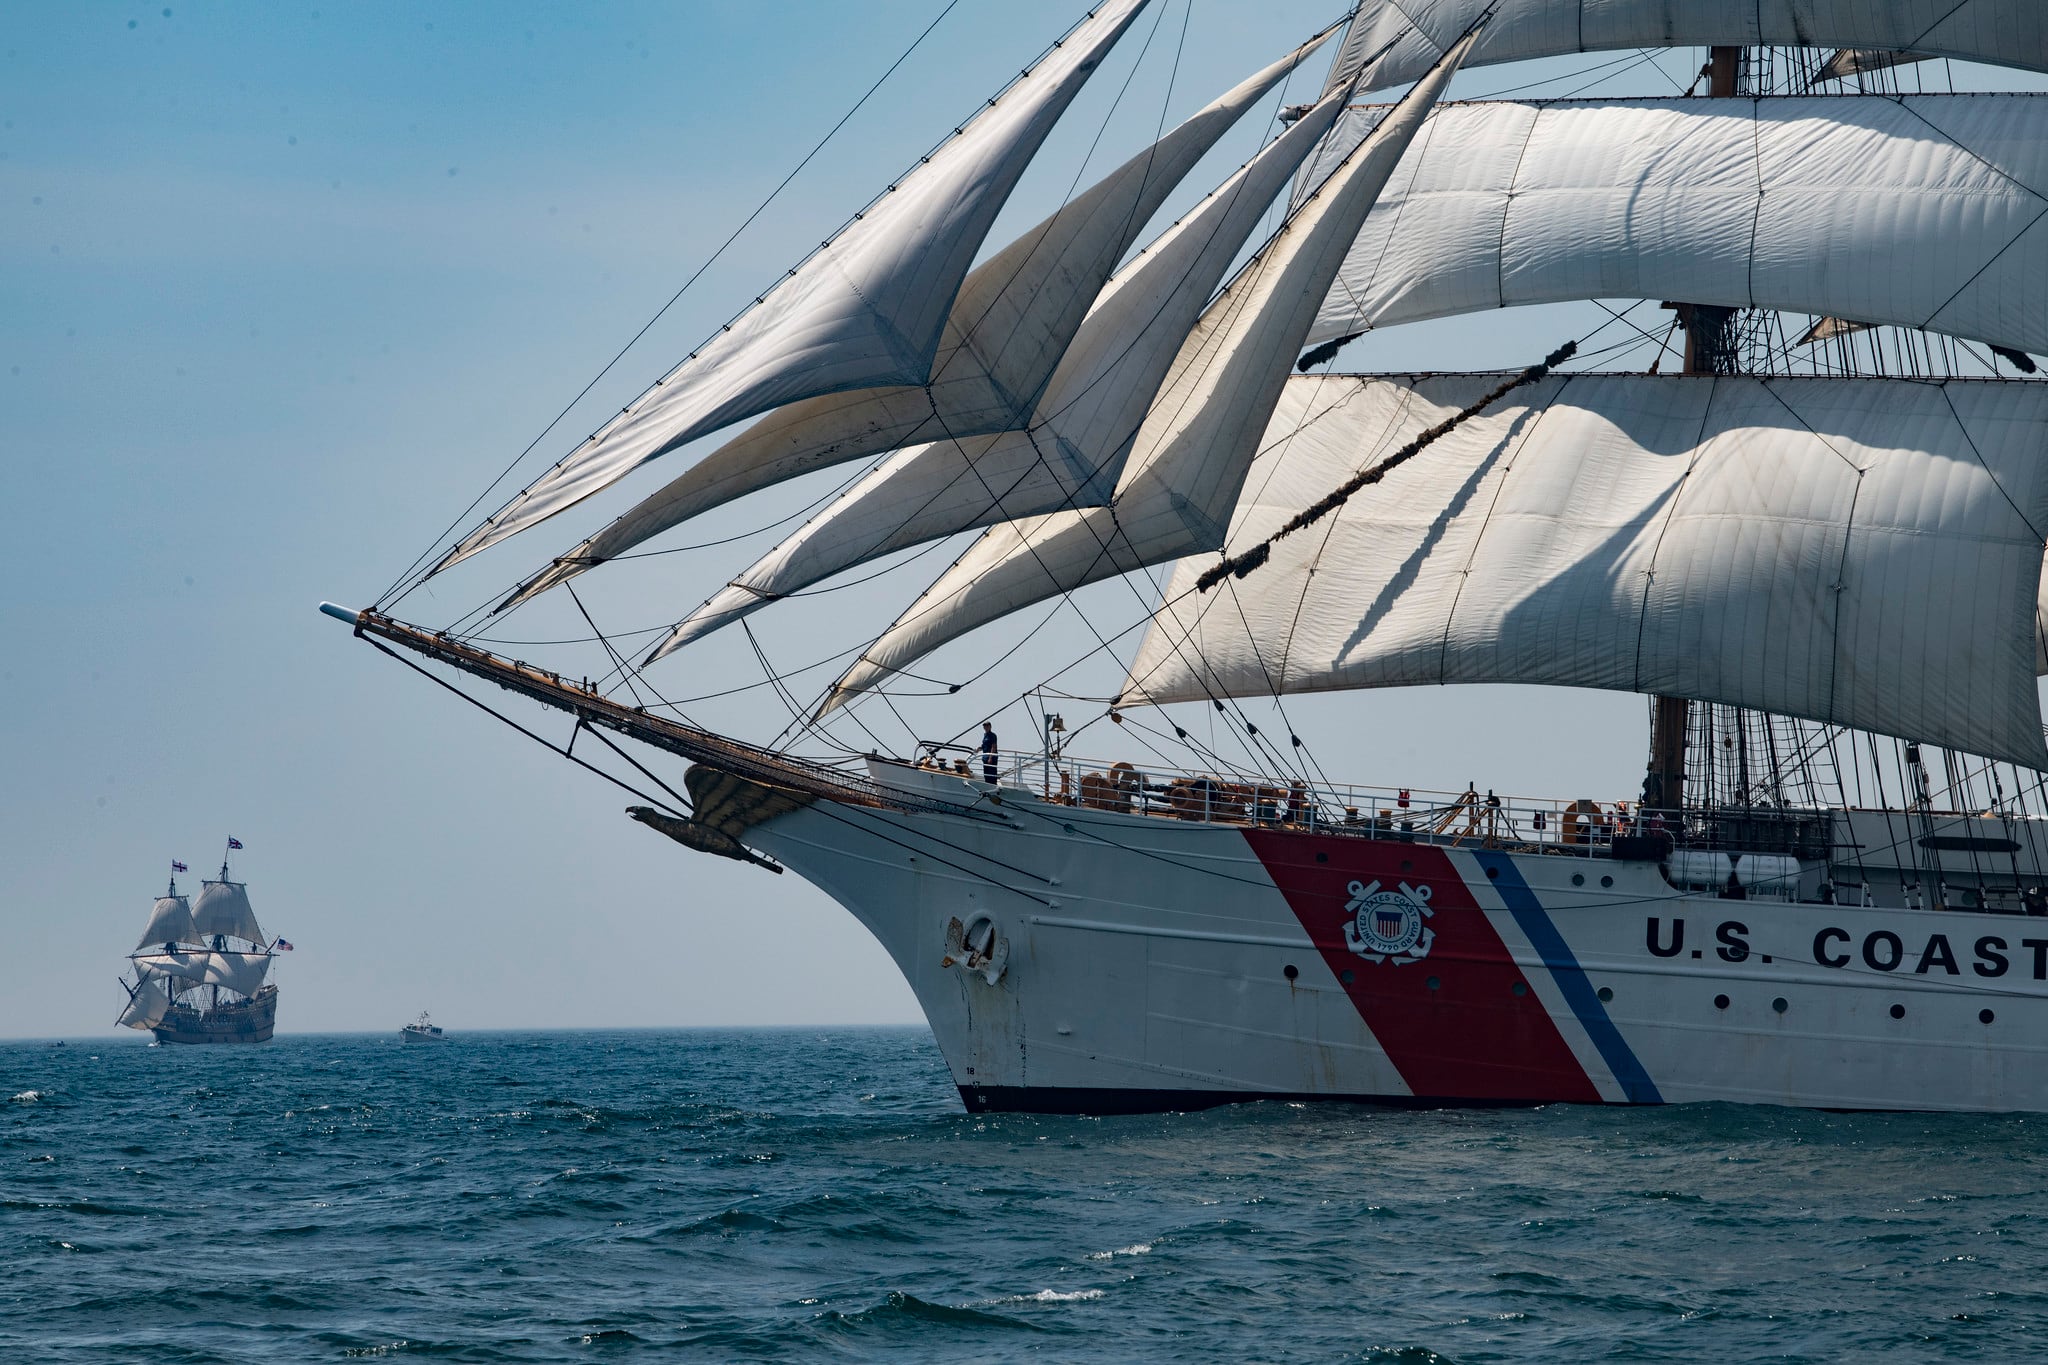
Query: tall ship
[[197, 974], [1788, 483]]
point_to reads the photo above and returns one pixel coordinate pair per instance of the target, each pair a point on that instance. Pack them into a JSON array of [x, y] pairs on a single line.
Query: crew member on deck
[[988, 753]]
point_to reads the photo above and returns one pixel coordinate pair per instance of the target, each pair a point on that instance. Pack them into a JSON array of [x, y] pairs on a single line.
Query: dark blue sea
[[809, 1194]]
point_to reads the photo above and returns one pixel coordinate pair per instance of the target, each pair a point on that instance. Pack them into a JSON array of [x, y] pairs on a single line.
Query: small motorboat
[[423, 1030]]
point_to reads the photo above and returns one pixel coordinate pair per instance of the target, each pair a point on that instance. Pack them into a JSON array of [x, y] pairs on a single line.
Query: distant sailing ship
[[200, 968], [1817, 550]]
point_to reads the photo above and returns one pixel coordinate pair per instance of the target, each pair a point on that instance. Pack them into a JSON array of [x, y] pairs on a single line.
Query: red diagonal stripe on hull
[[1472, 1038]]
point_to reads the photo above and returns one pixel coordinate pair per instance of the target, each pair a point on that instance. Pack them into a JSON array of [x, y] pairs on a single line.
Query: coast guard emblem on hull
[[1388, 925]]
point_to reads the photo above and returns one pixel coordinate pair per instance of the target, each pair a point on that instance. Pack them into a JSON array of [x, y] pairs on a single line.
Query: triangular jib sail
[[868, 308], [1203, 431], [1014, 319]]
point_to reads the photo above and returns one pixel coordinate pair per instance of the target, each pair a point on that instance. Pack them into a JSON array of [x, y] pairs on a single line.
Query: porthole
[[1781, 1004], [1607, 881], [1898, 1011], [1606, 994], [1433, 983], [1720, 1002], [1407, 866], [1290, 971], [1492, 873], [1521, 988], [1346, 976], [1985, 1016], [1322, 857], [1578, 879]]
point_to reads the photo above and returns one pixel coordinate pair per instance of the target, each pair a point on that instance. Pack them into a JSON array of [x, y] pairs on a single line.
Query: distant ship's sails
[[1922, 211], [148, 1003], [2000, 32], [1865, 553], [170, 921], [213, 941], [223, 908], [867, 309]]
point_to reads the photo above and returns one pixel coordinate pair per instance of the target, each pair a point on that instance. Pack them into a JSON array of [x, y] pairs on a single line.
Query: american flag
[[177, 866], [283, 945], [233, 842]]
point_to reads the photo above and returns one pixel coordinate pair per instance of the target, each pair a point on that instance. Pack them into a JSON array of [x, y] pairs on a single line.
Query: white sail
[[147, 1004], [231, 971], [1860, 552], [1083, 431], [223, 908], [1179, 487], [1924, 211], [868, 308], [182, 970], [170, 921], [242, 973], [2001, 32], [1013, 320]]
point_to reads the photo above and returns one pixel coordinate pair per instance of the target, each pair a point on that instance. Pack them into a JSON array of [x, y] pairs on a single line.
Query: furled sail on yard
[[1923, 211], [2001, 32], [868, 308], [1865, 553], [1015, 318], [1177, 492], [1078, 440]]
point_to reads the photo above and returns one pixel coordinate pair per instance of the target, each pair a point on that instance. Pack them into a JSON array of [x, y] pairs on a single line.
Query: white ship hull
[[1154, 963]]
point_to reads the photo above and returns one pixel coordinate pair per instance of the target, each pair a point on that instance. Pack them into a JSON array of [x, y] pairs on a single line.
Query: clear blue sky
[[285, 285]]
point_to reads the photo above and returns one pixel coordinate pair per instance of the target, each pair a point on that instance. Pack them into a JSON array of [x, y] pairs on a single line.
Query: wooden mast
[[1707, 343]]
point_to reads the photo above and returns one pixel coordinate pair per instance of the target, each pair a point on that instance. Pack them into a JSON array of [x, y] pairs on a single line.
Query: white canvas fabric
[[1862, 552], [239, 972], [148, 1005], [183, 970], [1200, 436], [1015, 318], [2001, 32], [867, 309], [1924, 211], [1083, 430], [170, 921], [223, 908]]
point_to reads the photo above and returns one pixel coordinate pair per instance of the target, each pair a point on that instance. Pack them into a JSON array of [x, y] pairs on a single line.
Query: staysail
[[1078, 440], [170, 921], [868, 308], [1860, 552], [223, 908], [1926, 211], [1178, 489], [1013, 320], [2000, 32]]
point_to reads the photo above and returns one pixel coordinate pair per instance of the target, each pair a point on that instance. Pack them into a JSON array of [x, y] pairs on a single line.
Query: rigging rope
[[809, 156], [1241, 566]]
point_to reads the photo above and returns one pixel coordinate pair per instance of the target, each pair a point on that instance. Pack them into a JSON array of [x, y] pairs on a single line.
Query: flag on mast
[[233, 842], [177, 866]]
